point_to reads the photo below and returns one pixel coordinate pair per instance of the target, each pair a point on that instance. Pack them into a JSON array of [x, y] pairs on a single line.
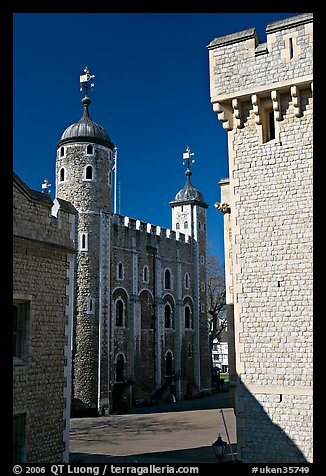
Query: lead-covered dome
[[189, 194], [86, 130]]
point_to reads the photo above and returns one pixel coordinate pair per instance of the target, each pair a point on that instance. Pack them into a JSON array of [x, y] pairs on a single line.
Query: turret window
[[89, 173], [187, 280], [89, 149], [177, 226], [62, 151], [185, 225], [62, 175]]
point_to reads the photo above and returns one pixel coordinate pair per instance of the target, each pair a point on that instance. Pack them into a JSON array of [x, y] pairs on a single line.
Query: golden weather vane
[[84, 79]]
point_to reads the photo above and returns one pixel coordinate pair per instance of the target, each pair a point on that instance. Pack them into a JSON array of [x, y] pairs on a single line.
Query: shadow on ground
[[204, 454]]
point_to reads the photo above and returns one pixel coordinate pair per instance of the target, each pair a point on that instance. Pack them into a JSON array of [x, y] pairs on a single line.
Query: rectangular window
[[90, 305], [19, 438], [21, 312], [271, 125]]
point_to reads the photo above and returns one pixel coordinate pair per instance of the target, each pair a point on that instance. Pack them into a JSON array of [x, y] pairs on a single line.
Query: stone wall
[[133, 243], [262, 93], [43, 265]]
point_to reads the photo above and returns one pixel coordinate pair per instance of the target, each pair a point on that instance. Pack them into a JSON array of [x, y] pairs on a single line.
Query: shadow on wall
[[259, 439]]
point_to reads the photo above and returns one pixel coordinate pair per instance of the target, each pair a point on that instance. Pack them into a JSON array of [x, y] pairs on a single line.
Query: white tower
[[83, 177]]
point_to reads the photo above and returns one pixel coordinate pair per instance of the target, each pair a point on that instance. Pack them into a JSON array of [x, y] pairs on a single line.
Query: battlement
[[242, 68], [132, 223]]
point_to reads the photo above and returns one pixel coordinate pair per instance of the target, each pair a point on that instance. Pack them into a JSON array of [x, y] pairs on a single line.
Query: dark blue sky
[[151, 95]]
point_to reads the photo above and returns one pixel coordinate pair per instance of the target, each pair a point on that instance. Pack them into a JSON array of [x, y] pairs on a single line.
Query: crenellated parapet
[[147, 228], [262, 73]]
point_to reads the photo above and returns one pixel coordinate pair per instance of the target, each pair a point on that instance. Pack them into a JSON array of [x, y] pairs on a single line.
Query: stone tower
[[83, 177], [189, 217], [262, 93]]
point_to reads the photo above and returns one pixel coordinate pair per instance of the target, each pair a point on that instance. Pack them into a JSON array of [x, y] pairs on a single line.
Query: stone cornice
[[228, 106], [265, 88]]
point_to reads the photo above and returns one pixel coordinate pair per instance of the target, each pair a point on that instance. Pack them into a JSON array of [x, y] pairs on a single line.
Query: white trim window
[[90, 305], [90, 149], [89, 173], [62, 174], [187, 280], [83, 241], [62, 152]]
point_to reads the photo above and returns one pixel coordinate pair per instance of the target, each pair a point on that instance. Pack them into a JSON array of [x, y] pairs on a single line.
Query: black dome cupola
[[86, 130]]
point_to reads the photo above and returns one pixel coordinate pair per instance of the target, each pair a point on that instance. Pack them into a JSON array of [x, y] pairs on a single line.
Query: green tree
[[216, 299]]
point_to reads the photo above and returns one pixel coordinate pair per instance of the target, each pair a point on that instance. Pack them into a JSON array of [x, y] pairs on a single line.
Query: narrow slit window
[[62, 152], [120, 271], [291, 47], [83, 242], [145, 274], [271, 125]]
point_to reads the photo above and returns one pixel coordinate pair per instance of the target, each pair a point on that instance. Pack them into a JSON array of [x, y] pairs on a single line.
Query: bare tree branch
[[216, 299]]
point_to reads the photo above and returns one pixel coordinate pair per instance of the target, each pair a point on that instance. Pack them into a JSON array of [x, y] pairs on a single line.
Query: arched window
[[177, 226], [62, 176], [145, 274], [187, 281], [119, 313], [188, 323], [83, 242], [167, 279], [167, 317], [120, 271], [89, 172], [62, 152], [168, 364], [89, 149], [185, 225]]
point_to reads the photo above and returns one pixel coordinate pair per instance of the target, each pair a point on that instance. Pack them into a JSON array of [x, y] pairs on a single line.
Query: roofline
[[175, 203], [32, 194], [86, 139]]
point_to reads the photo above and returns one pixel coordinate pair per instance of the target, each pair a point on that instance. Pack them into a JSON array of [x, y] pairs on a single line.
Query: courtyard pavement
[[182, 432]]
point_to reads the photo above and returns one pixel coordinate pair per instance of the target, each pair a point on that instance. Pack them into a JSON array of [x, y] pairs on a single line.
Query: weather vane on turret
[[84, 79], [186, 156]]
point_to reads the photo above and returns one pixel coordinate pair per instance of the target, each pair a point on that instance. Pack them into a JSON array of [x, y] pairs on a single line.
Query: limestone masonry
[[43, 268], [262, 94]]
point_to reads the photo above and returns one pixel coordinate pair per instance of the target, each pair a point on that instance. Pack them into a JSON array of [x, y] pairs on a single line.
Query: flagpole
[[115, 158]]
